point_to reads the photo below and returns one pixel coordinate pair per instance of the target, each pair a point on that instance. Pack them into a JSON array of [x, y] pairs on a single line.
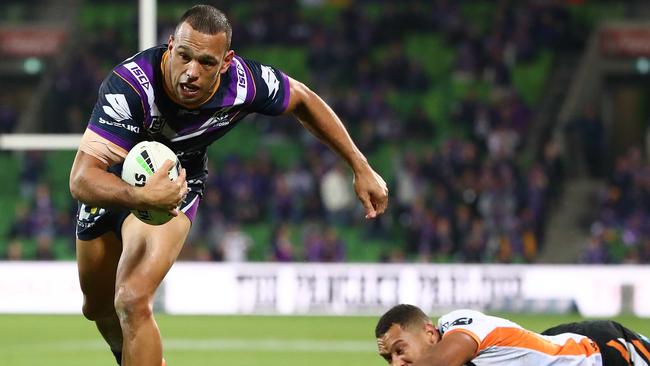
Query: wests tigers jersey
[[133, 106], [502, 342]]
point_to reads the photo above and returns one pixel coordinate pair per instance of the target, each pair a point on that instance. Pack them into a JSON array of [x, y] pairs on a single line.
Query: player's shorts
[[618, 345], [93, 222]]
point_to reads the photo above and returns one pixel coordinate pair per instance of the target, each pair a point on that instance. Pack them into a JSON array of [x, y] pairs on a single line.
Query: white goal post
[[147, 24]]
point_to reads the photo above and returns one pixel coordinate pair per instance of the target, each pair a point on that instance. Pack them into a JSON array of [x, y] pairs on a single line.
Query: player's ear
[[432, 333], [227, 59], [170, 43]]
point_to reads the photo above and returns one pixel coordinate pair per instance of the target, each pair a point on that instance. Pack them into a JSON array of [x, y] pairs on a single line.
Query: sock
[[118, 356]]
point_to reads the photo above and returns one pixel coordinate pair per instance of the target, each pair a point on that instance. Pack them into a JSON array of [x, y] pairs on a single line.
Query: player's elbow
[[78, 185], [303, 92], [301, 96], [75, 185], [84, 168]]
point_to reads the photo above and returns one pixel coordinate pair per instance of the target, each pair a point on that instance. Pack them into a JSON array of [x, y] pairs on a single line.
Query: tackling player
[[406, 336], [185, 94]]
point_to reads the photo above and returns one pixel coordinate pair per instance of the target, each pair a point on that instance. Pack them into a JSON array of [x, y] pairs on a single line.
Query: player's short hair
[[207, 19], [404, 315]]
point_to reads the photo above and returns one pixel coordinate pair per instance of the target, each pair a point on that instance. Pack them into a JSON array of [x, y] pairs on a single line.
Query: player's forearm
[[323, 123], [99, 188]]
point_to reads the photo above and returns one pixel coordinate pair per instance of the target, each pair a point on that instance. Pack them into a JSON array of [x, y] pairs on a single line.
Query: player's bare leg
[[148, 254], [97, 261]]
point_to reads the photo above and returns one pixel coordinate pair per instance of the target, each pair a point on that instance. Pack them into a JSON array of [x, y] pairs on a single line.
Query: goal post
[[147, 32]]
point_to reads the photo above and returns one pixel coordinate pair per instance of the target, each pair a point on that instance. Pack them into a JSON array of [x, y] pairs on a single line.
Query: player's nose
[[192, 71]]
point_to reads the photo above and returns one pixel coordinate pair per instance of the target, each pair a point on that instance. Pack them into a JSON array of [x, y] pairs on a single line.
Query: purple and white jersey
[[133, 106]]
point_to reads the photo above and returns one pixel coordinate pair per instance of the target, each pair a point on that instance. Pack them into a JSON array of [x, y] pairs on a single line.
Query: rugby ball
[[140, 164]]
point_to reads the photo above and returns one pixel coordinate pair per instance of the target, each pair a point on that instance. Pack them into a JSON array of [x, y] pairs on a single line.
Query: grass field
[[218, 340]]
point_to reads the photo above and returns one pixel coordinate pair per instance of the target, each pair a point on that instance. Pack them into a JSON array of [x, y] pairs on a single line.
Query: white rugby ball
[[140, 164]]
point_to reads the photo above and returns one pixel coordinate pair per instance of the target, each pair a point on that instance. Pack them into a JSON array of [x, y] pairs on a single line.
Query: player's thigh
[[149, 252], [614, 340], [97, 261], [638, 344]]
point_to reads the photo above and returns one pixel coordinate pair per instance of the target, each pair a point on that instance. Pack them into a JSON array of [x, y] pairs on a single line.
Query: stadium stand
[[619, 233], [459, 80]]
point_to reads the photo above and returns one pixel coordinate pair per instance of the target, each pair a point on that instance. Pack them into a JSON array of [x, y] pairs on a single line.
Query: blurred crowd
[[38, 226], [621, 231], [467, 197]]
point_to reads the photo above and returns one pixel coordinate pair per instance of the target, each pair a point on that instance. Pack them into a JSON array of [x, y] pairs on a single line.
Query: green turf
[[221, 340]]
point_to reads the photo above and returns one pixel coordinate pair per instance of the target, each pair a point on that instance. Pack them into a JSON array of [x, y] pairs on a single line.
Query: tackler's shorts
[[618, 345]]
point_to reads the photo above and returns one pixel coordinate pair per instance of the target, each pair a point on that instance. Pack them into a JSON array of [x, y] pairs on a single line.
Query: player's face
[[196, 60], [400, 346]]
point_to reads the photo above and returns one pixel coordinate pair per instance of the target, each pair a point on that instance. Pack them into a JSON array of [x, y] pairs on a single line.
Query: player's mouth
[[189, 90]]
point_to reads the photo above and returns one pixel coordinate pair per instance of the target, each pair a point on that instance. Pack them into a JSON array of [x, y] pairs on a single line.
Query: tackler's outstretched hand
[[161, 193], [372, 192]]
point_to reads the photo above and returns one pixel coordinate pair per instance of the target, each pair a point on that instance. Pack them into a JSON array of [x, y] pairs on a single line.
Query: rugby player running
[[406, 336], [185, 94]]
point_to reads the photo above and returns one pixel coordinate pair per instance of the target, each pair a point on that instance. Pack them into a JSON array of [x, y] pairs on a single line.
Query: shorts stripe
[[191, 208]]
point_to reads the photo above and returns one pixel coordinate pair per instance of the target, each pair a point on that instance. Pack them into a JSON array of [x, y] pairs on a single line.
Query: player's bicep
[[299, 93], [101, 148]]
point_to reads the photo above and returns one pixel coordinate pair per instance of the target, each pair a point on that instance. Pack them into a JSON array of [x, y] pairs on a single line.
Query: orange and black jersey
[[502, 342]]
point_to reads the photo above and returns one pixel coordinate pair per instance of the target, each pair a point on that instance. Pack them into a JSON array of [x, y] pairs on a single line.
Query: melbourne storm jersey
[[502, 342], [133, 106]]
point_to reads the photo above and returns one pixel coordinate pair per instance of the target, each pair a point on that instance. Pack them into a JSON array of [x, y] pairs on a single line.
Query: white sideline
[[216, 344]]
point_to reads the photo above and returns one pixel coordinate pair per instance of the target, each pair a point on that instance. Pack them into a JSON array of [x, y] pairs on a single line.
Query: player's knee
[[132, 305], [95, 310]]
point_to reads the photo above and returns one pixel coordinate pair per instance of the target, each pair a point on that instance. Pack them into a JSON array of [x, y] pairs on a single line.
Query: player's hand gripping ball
[[140, 164]]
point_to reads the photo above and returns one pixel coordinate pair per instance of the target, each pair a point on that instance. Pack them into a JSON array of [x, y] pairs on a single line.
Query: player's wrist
[[138, 198], [361, 167]]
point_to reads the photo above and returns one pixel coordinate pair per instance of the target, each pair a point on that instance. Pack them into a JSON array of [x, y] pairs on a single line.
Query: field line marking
[[216, 344]]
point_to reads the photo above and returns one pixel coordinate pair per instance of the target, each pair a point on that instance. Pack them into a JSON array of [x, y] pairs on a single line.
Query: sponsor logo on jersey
[[459, 321], [242, 82], [271, 80], [219, 119], [241, 75], [157, 123], [462, 321], [131, 128], [139, 74], [118, 109]]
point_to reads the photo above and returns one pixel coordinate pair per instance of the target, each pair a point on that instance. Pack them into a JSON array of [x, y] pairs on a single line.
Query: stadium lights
[[642, 65], [32, 65]]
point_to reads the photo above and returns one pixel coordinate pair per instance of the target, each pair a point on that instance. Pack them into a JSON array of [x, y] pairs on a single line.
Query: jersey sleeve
[[271, 89], [118, 114], [474, 323]]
